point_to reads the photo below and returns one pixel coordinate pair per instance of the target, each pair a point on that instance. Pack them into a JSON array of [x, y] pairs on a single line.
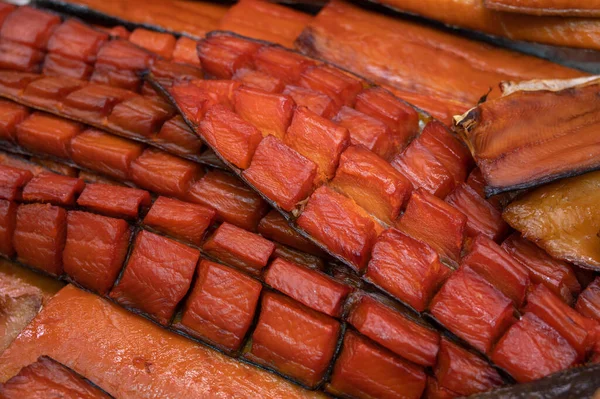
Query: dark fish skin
[[575, 383]]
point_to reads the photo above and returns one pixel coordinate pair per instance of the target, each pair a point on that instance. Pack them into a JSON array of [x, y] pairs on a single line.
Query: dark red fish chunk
[[366, 371], [588, 302], [48, 379], [464, 372], [367, 131], [543, 269], [280, 173], [269, 113], [402, 120], [94, 102], [482, 217], [160, 43], [13, 83], [105, 153], [240, 248], [395, 331], [12, 181], [234, 202], [168, 72], [531, 349], [372, 183], [164, 173], [424, 170], [221, 306], [293, 340], [342, 88], [340, 225], [570, 324], [283, 64], [275, 228], [180, 219], [60, 65], [49, 91], [435, 391], [53, 188], [258, 80], [220, 91], [222, 55], [185, 51], [157, 276], [39, 236], [176, 137], [74, 39], [8, 212], [498, 268], [408, 269], [95, 249], [47, 134], [231, 136], [20, 57], [453, 155], [429, 219], [29, 26], [318, 139], [123, 55], [309, 287], [114, 200], [192, 100], [5, 10], [140, 116], [119, 78], [11, 115], [315, 101], [472, 309]]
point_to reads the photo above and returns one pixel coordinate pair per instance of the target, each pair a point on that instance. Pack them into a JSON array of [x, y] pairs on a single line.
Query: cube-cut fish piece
[[53, 188], [180, 219], [429, 219], [113, 200], [296, 341], [315, 101], [231, 136], [76, 40], [482, 217], [105, 153], [281, 173], [543, 269], [39, 237], [472, 309], [95, 249], [367, 131], [408, 269], [283, 64], [464, 372], [47, 134], [309, 287], [366, 370], [318, 139], [164, 173], [157, 276], [221, 305], [395, 331], [531, 349], [372, 183], [339, 86], [234, 202], [500, 269], [270, 113], [240, 248], [340, 225]]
